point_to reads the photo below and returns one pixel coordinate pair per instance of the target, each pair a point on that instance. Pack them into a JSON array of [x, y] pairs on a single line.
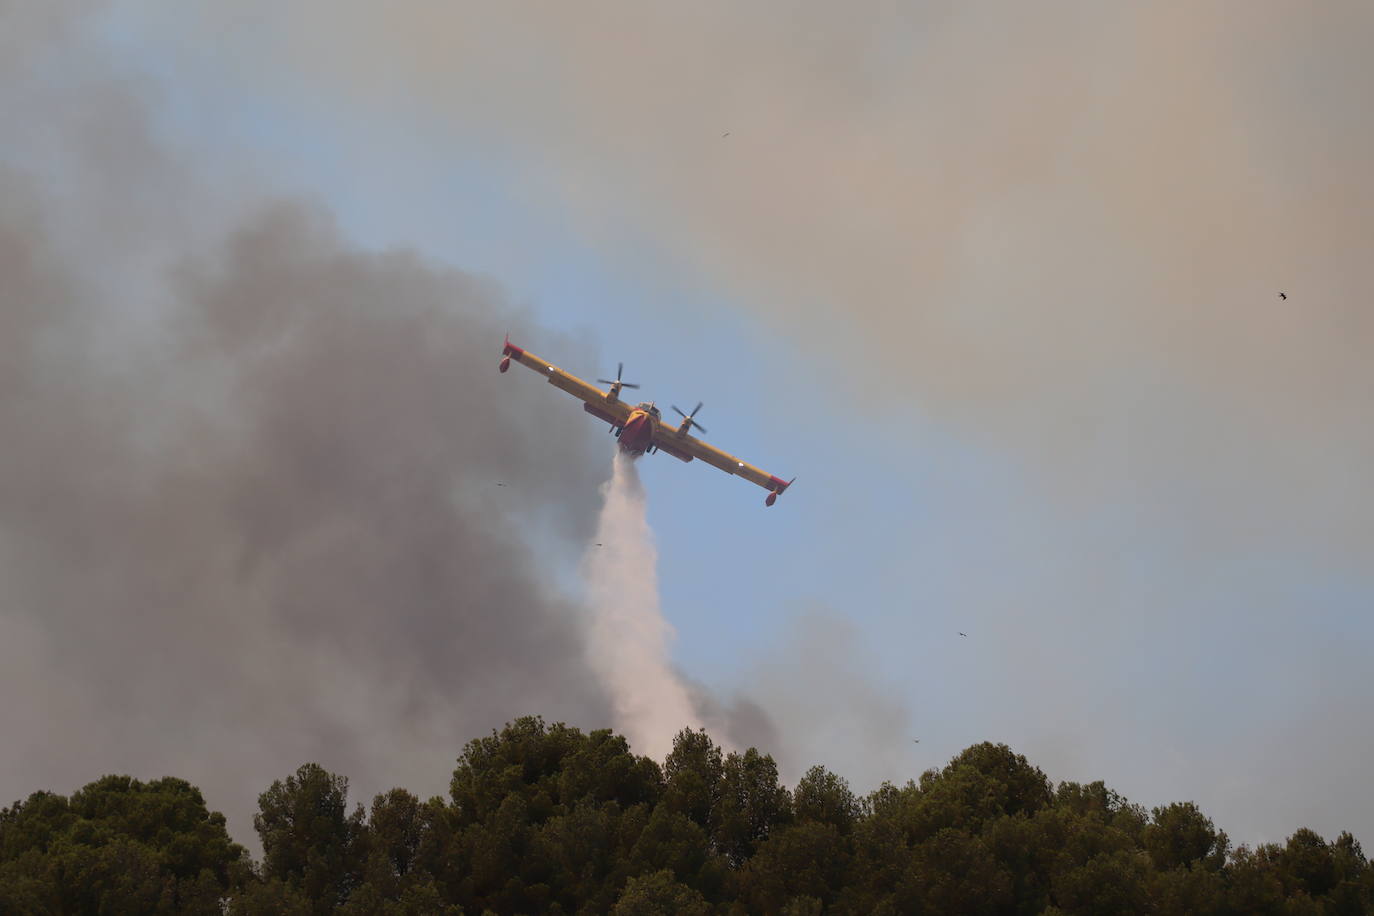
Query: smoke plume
[[629, 638], [264, 497], [1060, 231]]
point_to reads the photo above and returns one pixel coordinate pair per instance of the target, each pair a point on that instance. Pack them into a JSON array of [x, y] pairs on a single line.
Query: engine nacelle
[[505, 363]]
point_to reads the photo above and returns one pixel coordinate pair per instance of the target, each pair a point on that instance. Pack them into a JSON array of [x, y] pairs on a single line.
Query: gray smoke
[[264, 497], [1060, 231], [824, 700]]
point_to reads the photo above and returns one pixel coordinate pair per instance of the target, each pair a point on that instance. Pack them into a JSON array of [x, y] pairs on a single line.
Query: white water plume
[[629, 638]]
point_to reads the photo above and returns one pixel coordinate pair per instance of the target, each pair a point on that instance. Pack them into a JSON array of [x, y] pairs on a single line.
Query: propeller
[[616, 381], [689, 419]]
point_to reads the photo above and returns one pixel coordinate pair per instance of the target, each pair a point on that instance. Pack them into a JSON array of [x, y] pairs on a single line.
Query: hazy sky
[[999, 283]]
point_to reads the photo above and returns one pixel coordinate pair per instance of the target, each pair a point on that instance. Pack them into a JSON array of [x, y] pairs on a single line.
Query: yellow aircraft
[[639, 428]]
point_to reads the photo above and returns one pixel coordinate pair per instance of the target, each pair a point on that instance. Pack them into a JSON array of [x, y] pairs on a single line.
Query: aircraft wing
[[598, 402], [685, 447]]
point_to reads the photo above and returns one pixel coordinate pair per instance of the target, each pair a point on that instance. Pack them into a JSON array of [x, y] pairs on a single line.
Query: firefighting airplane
[[639, 428]]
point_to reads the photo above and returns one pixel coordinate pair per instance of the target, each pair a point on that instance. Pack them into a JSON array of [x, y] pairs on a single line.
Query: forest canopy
[[547, 819]]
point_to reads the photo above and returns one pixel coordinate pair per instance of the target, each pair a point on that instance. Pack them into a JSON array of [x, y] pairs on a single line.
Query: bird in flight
[[1283, 295], [915, 740], [500, 485], [726, 134], [964, 635]]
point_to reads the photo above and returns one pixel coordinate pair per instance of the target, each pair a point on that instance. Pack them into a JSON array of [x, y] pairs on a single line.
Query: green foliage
[[658, 894], [542, 817], [673, 841], [822, 796], [309, 841], [1189, 890], [1107, 883], [1096, 802], [392, 846], [272, 896], [694, 773], [1308, 864], [602, 769], [1254, 883], [982, 783], [117, 845], [1180, 836], [394, 833], [807, 859], [749, 804], [525, 758], [1354, 889], [547, 819]]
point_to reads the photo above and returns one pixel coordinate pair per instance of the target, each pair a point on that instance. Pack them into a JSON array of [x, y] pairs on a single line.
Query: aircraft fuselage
[[638, 432]]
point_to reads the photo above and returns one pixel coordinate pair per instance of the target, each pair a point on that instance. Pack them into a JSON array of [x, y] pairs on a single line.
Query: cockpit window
[[648, 408]]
